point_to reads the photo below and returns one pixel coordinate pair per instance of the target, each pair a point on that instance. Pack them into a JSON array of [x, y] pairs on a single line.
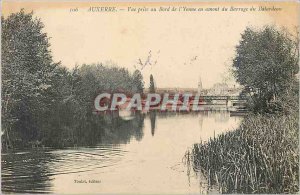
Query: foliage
[[43, 103], [262, 156], [152, 85], [138, 82], [27, 75], [266, 63]]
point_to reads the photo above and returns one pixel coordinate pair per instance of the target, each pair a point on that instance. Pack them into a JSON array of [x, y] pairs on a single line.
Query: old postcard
[[148, 97]]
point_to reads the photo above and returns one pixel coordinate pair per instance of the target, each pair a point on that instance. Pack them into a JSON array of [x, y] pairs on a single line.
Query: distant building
[[223, 89], [200, 88], [174, 90], [220, 89]]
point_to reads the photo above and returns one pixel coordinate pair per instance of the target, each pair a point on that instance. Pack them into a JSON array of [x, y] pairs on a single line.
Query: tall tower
[[199, 85]]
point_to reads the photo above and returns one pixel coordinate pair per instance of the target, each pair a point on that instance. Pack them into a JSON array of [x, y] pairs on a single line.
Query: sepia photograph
[[149, 97]]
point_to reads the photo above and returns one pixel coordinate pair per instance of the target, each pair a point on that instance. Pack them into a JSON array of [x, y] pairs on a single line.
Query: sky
[[183, 46]]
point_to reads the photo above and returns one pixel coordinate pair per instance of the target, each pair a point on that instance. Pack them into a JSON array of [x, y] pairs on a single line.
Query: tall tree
[[138, 83], [27, 72], [152, 85], [266, 63]]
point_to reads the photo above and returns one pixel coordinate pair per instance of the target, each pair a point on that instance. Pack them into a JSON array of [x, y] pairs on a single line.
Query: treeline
[[43, 103]]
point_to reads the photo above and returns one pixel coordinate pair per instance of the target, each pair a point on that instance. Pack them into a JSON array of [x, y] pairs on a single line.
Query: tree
[[138, 83], [27, 72], [266, 63], [152, 85]]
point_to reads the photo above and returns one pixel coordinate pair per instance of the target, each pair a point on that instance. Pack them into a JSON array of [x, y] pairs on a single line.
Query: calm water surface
[[144, 160]]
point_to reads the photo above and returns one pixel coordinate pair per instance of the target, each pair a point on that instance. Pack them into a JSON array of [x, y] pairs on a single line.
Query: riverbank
[[261, 156]]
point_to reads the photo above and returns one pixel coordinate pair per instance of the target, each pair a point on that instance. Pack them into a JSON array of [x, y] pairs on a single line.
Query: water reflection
[[26, 172], [120, 131], [152, 119], [140, 155]]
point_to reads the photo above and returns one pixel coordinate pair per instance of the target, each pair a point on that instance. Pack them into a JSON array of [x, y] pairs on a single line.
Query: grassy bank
[[262, 156]]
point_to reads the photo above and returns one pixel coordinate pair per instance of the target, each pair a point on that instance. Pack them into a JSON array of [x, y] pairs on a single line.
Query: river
[[148, 159]]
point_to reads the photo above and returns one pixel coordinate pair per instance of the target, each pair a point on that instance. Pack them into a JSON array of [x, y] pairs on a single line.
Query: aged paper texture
[[149, 97]]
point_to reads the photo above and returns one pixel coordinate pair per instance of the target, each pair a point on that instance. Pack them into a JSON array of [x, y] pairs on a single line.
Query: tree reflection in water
[[26, 172], [110, 142], [30, 172], [152, 120]]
